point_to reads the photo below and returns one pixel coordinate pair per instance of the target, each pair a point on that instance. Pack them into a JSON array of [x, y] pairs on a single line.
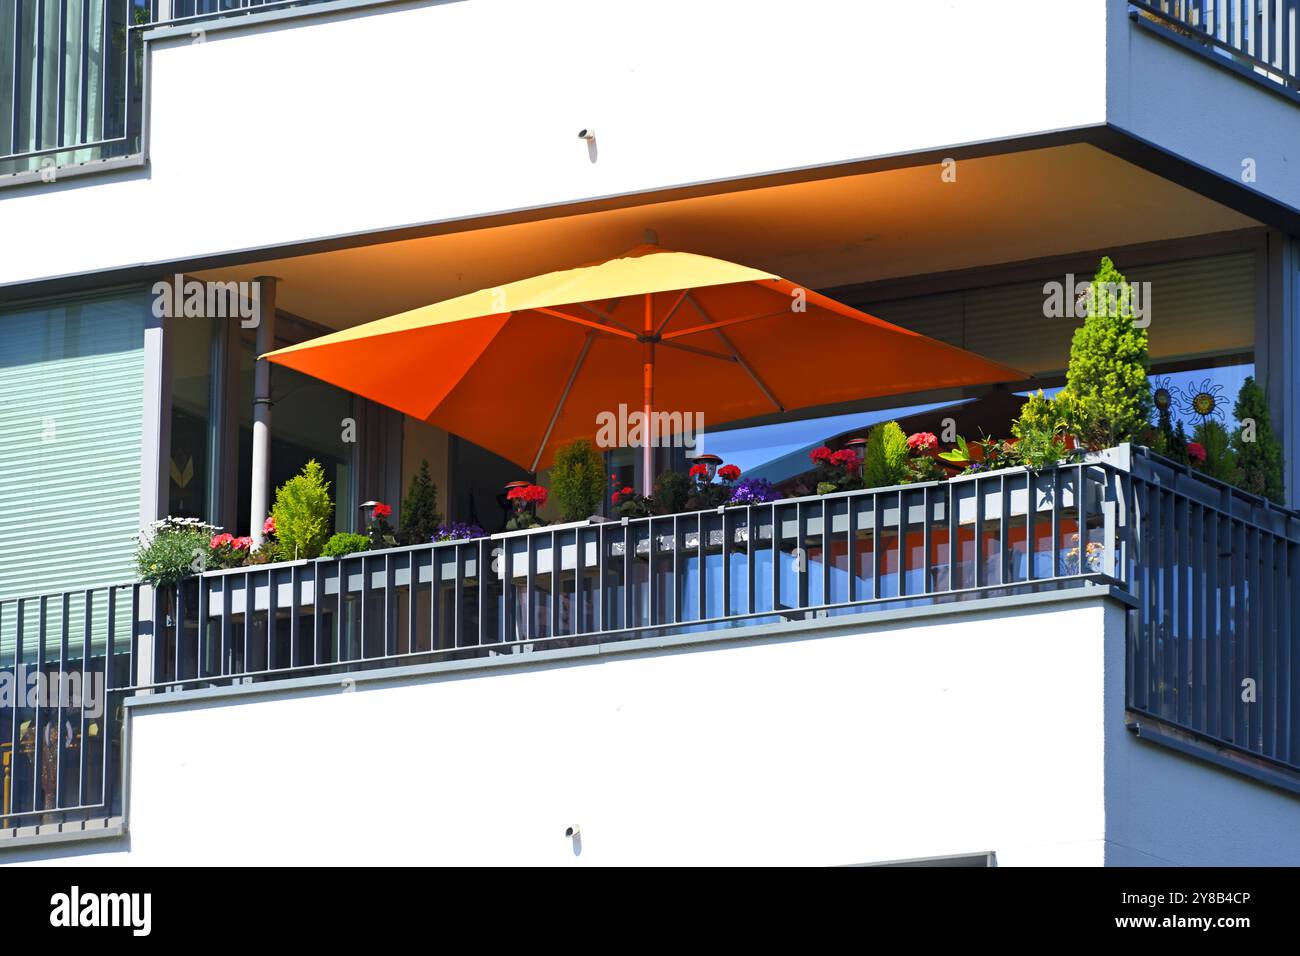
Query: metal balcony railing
[[1213, 576], [70, 82], [1256, 37]]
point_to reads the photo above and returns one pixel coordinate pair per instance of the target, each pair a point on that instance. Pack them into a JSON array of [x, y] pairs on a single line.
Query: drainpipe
[[264, 303]]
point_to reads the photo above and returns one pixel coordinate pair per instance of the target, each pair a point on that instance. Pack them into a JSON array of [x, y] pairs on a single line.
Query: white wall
[[1180, 102], [323, 127], [962, 735]]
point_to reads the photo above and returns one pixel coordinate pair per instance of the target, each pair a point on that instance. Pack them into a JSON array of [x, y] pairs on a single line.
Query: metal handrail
[[1262, 36]]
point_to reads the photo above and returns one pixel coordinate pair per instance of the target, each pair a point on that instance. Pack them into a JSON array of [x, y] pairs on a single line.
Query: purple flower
[[457, 531], [754, 491]]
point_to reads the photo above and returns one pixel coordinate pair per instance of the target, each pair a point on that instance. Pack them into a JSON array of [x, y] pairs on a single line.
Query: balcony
[[1254, 38], [1207, 574]]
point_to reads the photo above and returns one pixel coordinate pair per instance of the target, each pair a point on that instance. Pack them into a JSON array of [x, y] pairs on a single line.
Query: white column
[[261, 496]]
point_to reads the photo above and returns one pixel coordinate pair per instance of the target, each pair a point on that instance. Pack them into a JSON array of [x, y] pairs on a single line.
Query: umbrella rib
[[580, 321], [736, 356], [673, 311], [604, 314], [699, 351], [564, 397], [722, 324]]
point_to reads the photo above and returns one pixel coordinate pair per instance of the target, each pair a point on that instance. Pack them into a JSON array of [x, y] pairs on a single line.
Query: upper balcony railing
[[1212, 576], [1257, 37]]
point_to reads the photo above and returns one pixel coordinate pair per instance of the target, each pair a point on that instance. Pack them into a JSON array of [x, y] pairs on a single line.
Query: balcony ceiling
[[826, 233]]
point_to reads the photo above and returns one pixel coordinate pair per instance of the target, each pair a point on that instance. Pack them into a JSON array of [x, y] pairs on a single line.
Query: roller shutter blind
[[1201, 306], [71, 403]]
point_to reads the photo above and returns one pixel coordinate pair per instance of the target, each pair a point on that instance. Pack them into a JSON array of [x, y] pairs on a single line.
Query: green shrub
[[672, 491], [173, 550], [1037, 431], [420, 517], [1106, 391], [345, 542], [578, 480], [1220, 460], [886, 457], [1178, 445], [303, 514], [1259, 454]]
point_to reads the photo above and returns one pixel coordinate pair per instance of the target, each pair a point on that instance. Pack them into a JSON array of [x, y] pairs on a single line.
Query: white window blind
[[71, 396], [1202, 306]]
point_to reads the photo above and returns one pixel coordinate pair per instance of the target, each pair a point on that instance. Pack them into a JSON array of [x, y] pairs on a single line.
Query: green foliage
[[1220, 460], [886, 457], [959, 455], [924, 468], [175, 549], [1178, 445], [1037, 431], [522, 519], [1259, 454], [578, 480], [303, 514], [420, 517], [672, 491], [1164, 440], [345, 542], [826, 487], [1106, 392], [633, 505]]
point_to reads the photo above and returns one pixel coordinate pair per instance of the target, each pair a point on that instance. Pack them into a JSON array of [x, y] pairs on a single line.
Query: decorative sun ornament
[[1205, 401], [1164, 395]]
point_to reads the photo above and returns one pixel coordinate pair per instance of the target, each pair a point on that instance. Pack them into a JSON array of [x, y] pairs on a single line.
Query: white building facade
[[935, 164]]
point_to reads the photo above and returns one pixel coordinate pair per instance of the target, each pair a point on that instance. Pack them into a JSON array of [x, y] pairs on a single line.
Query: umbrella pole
[[647, 444]]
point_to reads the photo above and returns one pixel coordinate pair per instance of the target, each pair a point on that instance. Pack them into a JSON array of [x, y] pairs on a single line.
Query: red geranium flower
[[820, 453], [221, 539], [699, 471], [242, 544], [922, 441], [846, 458], [530, 493], [1196, 452], [268, 526], [728, 472], [382, 510]]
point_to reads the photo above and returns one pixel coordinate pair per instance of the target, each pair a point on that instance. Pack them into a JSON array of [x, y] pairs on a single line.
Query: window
[[71, 412]]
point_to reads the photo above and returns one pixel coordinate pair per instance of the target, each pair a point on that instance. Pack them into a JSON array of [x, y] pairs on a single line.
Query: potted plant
[[753, 491], [526, 499], [303, 513], [578, 480], [345, 543], [420, 515], [456, 531], [627, 502], [836, 470], [378, 531]]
